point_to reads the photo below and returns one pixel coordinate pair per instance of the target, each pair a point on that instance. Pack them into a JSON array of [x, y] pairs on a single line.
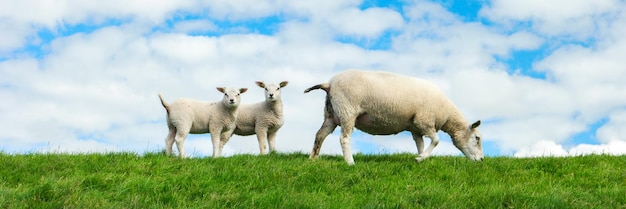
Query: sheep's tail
[[328, 109], [324, 86], [165, 105]]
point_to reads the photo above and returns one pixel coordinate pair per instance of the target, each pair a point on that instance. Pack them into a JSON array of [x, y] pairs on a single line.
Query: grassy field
[[124, 180]]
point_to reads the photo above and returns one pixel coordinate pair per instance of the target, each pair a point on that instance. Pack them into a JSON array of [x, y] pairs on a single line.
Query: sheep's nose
[[482, 159], [271, 95], [232, 100]]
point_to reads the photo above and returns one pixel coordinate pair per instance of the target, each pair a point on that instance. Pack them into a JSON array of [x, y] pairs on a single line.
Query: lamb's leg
[[169, 141], [433, 143], [261, 135], [271, 138], [419, 142], [180, 142], [327, 127], [215, 139], [224, 137]]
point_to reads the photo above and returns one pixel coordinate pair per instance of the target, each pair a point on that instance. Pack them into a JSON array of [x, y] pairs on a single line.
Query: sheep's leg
[[180, 142], [215, 139], [419, 142], [261, 135], [346, 130], [433, 143], [327, 127], [271, 138], [224, 137], [169, 141]]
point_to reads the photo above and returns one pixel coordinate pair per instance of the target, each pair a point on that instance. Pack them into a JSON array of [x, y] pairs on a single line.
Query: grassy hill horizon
[[291, 180]]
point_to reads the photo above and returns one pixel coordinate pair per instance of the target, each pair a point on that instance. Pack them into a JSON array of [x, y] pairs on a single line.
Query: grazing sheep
[[186, 116], [263, 118], [383, 103]]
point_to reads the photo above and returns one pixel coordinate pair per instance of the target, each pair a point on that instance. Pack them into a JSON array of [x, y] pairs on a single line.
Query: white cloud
[[550, 148], [194, 26], [44, 13], [614, 129], [434, 40], [241, 9], [318, 9], [592, 74], [20, 20], [611, 136], [577, 19], [542, 148], [14, 35], [368, 23], [611, 148]]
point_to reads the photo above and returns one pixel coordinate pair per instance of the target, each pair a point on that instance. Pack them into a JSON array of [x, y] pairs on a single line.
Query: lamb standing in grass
[[186, 116], [263, 118], [382, 103]]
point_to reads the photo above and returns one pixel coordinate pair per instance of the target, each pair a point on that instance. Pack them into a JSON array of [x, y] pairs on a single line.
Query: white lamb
[[383, 103], [186, 116], [263, 118]]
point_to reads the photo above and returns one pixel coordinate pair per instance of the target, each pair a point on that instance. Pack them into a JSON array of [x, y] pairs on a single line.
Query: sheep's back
[[388, 102], [199, 113], [246, 118]]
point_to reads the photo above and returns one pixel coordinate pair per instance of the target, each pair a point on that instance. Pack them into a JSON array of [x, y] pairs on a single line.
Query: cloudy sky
[[545, 77]]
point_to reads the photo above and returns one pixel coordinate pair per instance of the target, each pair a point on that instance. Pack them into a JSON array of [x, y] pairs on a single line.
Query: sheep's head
[[231, 96], [272, 90], [472, 147]]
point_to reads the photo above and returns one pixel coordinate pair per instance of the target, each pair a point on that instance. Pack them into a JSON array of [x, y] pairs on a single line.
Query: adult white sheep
[[263, 118], [383, 103], [185, 116]]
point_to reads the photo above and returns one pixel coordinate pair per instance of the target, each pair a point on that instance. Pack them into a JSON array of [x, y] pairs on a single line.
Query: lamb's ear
[[260, 84], [221, 89], [475, 124], [243, 90], [283, 84]]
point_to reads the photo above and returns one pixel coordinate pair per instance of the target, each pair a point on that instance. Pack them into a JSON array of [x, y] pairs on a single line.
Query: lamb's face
[[272, 90], [232, 96], [473, 148]]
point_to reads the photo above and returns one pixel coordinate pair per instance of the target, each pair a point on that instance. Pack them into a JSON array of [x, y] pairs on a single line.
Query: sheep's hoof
[[420, 158]]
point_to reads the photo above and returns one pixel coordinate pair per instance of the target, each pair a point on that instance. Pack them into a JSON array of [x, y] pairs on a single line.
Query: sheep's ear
[[260, 84], [221, 89], [283, 84], [243, 90], [475, 124]]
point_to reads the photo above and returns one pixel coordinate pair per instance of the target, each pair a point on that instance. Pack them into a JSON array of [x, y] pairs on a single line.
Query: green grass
[[124, 180]]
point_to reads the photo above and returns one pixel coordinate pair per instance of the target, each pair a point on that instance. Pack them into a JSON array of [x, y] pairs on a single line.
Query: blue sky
[[83, 76]]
